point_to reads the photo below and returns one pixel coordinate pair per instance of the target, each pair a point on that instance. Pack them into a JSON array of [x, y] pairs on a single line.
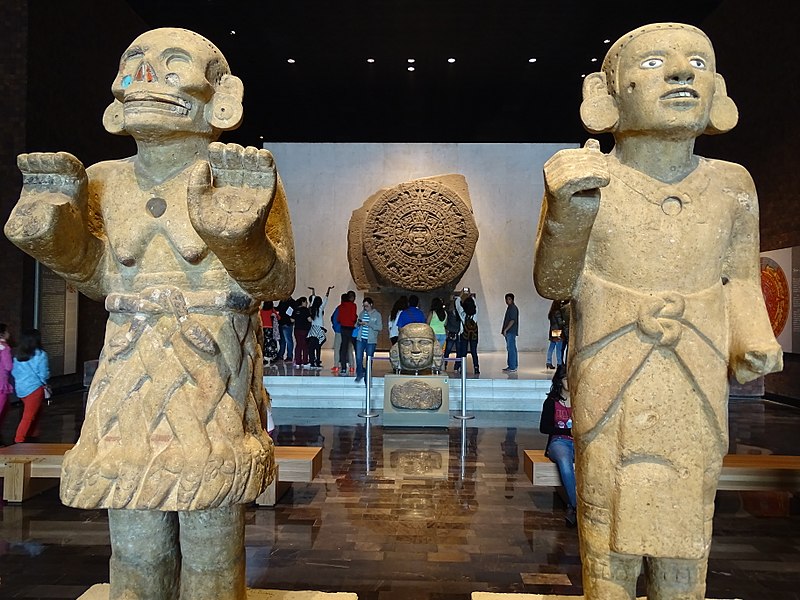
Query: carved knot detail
[[659, 318]]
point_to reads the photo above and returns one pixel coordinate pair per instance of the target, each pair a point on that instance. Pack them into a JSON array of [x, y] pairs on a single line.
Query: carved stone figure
[[182, 240], [419, 235], [416, 349], [658, 250], [416, 395]]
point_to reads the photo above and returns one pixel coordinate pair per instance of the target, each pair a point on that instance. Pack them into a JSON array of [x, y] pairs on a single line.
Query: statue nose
[[680, 72], [145, 73]]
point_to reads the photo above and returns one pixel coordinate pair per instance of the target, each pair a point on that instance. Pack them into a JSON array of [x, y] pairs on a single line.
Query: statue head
[[172, 82], [416, 349], [660, 78]]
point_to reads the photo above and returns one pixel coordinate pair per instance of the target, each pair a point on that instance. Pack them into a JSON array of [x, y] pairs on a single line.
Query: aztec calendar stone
[[420, 235]]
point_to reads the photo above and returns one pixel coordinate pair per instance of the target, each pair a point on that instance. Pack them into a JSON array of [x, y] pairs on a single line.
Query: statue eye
[[652, 63], [697, 63], [177, 59]]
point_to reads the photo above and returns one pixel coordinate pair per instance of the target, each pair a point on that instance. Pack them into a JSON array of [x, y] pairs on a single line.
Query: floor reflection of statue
[[658, 250], [181, 240]]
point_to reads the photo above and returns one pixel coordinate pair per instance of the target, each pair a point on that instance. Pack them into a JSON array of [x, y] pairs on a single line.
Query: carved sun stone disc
[[420, 235]]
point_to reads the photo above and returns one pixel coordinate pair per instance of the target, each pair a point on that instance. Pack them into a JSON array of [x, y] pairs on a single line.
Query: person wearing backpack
[[468, 341], [453, 330]]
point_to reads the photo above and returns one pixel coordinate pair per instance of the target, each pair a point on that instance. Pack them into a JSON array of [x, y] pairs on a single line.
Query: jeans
[[561, 450], [511, 348], [287, 343], [361, 347], [559, 348], [344, 348], [468, 347], [450, 346], [301, 347]]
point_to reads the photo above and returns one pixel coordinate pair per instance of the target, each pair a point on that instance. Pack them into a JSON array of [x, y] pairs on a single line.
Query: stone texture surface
[[419, 235], [416, 349], [495, 596], [658, 250], [416, 395], [101, 592], [182, 240]]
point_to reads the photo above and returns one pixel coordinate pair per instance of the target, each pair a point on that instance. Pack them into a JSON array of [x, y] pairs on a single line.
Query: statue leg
[[609, 575], [145, 562], [212, 544], [676, 579]]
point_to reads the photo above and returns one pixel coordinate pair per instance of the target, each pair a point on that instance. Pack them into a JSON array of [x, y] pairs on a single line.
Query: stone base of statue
[[101, 590], [416, 401], [493, 596]]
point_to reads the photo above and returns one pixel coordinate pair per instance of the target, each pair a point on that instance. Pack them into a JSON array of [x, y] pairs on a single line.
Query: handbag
[[555, 334]]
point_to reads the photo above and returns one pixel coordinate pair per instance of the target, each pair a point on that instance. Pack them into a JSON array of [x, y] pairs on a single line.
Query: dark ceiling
[[492, 93]]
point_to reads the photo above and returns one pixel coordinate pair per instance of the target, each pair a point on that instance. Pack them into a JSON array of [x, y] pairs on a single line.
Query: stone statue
[[416, 349], [658, 250], [416, 394], [182, 240]]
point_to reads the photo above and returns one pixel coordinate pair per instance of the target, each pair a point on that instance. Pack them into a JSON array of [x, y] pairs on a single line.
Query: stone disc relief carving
[[419, 235]]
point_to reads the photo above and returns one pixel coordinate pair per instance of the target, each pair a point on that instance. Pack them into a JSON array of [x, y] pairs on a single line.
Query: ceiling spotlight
[[594, 60], [410, 68], [411, 60], [291, 61], [531, 60], [233, 32], [261, 137], [583, 75], [451, 60], [370, 60], [606, 41]]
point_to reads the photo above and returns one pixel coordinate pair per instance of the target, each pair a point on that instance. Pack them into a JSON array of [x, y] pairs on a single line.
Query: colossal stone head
[[173, 82], [660, 78], [416, 349]]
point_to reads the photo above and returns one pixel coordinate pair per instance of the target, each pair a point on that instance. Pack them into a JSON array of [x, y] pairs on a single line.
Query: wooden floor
[[407, 514]]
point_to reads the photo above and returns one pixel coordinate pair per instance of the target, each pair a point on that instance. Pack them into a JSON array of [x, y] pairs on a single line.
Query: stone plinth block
[[100, 592], [493, 596]]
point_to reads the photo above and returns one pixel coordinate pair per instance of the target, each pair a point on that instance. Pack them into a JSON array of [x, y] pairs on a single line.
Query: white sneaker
[[307, 366]]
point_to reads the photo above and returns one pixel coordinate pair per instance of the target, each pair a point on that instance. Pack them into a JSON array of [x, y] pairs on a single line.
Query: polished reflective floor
[[428, 514]]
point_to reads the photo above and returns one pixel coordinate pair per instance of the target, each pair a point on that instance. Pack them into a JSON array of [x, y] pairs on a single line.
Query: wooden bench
[[740, 472], [28, 469]]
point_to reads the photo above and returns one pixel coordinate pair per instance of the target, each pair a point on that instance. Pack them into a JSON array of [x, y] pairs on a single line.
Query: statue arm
[[753, 348], [573, 179], [238, 206], [51, 219]]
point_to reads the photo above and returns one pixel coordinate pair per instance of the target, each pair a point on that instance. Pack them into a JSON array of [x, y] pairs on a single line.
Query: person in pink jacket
[[6, 364]]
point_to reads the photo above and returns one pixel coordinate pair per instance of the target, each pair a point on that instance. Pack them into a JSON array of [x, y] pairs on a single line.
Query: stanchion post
[[368, 412], [464, 414]]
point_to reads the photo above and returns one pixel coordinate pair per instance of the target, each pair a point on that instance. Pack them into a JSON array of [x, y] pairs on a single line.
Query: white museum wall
[[326, 182]]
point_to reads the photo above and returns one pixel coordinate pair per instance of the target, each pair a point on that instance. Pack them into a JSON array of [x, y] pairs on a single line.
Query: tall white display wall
[[325, 183]]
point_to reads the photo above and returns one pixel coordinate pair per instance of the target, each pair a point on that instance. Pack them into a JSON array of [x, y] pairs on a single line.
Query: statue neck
[[156, 161], [667, 160]]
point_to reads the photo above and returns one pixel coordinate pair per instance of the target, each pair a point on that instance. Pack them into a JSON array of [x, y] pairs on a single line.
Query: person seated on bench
[[556, 421]]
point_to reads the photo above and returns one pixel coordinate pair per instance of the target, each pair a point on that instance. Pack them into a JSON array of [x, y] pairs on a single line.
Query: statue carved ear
[[225, 110], [724, 115], [114, 119], [599, 111]]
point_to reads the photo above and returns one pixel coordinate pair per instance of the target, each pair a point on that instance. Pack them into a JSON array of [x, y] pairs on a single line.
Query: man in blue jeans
[[510, 331]]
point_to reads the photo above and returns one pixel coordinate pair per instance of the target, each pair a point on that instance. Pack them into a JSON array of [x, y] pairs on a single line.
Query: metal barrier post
[[368, 412], [464, 415]]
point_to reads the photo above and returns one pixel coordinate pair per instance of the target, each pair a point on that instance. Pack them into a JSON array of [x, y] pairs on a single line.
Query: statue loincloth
[[174, 413]]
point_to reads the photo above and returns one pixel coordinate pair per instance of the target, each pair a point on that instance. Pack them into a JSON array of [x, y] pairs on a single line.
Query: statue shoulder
[[731, 175], [107, 169]]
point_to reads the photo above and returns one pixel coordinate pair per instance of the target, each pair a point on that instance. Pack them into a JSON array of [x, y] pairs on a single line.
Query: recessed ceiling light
[[451, 60], [233, 32], [412, 60], [531, 60], [291, 61], [606, 41], [594, 60], [410, 68], [583, 74], [370, 60], [261, 137]]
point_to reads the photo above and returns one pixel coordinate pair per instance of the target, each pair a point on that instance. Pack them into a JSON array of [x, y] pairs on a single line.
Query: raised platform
[[494, 596], [492, 390]]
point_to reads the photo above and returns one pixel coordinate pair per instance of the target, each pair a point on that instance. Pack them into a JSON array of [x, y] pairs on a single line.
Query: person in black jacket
[[557, 423]]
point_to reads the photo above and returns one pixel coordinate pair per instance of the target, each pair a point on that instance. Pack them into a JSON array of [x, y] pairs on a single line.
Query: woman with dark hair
[[6, 364], [437, 320], [31, 372], [399, 306], [556, 421], [316, 333]]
